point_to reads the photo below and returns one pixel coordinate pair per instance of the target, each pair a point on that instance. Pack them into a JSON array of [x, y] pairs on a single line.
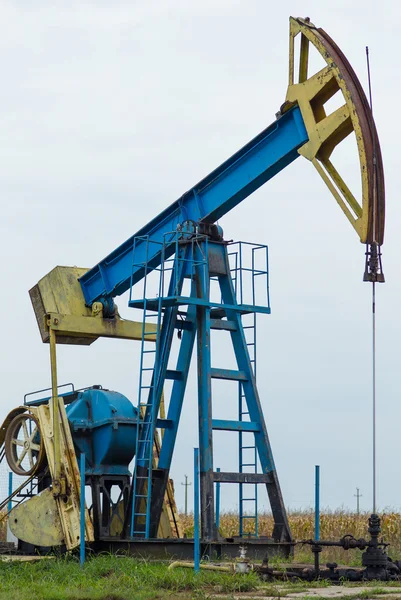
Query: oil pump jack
[[186, 250]]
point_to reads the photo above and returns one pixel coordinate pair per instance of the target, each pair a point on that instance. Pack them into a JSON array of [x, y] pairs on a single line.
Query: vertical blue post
[[82, 511], [317, 502], [10, 491], [218, 502], [196, 511]]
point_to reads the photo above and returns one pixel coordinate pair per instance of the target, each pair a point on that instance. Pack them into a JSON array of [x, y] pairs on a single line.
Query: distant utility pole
[[357, 496], [186, 484]]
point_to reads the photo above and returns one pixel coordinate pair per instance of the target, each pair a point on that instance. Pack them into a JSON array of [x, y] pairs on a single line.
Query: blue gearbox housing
[[104, 426]]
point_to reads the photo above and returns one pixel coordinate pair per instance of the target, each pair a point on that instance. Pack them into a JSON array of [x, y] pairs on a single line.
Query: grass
[[108, 577]]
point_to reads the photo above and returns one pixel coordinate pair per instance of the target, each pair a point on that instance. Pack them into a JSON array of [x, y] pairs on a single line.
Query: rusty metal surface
[[370, 137]]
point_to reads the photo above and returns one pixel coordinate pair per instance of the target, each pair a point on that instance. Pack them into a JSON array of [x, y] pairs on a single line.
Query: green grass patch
[[114, 578]]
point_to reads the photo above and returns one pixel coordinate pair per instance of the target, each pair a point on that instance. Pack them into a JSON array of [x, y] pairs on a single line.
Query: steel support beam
[[238, 177]]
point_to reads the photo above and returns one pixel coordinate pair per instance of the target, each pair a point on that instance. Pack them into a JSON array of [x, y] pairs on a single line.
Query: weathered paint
[[326, 131]]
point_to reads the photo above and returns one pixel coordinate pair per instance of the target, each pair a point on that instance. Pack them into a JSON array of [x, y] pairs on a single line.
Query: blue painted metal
[[43, 400], [82, 511], [151, 381], [202, 282], [317, 502], [197, 259], [178, 390], [253, 407], [104, 427], [247, 451], [10, 491], [227, 374], [224, 425], [252, 166], [218, 502], [196, 512]]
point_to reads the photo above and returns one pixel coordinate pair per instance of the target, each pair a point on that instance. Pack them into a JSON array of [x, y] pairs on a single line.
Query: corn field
[[333, 525]]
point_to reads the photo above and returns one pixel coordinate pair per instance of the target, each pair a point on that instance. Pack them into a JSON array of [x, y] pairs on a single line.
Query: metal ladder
[[247, 451], [248, 455], [146, 417]]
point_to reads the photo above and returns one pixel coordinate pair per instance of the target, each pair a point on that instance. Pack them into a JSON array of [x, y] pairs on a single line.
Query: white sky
[[109, 112]]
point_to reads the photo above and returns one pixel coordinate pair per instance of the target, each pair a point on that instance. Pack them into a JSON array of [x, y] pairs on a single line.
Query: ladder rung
[[140, 514], [248, 465]]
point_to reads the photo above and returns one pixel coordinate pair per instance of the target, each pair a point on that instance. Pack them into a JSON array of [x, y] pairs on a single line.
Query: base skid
[[183, 549]]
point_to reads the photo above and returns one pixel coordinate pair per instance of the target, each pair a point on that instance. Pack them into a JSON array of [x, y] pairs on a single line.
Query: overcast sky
[[109, 112]]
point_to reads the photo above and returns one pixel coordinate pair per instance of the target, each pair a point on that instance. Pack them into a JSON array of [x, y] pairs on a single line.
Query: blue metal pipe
[[238, 177], [317, 502], [218, 502], [196, 512], [82, 511], [10, 491]]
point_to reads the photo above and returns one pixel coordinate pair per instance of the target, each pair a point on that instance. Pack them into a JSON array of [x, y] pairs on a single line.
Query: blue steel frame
[[252, 166], [238, 177], [199, 260]]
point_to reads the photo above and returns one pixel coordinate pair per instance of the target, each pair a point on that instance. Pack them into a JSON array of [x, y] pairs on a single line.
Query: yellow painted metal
[[58, 303], [229, 568], [326, 131], [94, 327], [24, 449], [170, 524], [55, 416], [68, 504], [3, 430], [21, 558], [37, 521], [52, 517]]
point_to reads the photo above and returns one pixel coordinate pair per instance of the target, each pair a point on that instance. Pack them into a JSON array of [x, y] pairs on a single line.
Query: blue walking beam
[[252, 166]]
